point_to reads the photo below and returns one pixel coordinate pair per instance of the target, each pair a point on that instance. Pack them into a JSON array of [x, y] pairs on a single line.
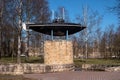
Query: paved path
[[77, 75]]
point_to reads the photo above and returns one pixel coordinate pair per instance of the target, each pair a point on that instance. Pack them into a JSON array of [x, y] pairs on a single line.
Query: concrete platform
[[76, 75]]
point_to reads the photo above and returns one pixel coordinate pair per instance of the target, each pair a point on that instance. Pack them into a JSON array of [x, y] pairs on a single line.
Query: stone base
[[19, 69], [113, 69]]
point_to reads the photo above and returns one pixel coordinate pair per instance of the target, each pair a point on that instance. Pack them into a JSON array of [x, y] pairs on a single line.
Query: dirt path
[[77, 75]]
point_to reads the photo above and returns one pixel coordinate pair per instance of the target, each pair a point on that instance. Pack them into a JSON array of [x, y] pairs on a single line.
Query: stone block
[[58, 52]]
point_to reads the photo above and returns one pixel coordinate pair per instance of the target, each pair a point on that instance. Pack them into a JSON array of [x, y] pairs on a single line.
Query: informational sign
[[24, 26]]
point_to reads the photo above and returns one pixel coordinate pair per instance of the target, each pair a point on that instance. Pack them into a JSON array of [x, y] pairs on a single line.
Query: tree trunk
[[19, 49], [1, 22], [19, 31]]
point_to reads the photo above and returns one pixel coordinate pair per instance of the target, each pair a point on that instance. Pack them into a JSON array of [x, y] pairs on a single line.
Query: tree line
[[100, 44], [93, 41], [12, 14]]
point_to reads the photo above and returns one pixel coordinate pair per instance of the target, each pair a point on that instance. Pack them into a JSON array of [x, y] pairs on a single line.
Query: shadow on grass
[[35, 61]]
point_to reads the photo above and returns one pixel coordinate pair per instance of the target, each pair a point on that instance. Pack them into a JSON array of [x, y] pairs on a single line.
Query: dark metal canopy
[[59, 29]]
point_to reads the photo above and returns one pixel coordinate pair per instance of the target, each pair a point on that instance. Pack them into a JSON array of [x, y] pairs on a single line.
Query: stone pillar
[[58, 52]]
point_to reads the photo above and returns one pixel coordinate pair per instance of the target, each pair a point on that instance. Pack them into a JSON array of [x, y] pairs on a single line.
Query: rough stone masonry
[[58, 52]]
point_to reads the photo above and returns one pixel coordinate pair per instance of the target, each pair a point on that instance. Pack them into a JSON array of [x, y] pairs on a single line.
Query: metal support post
[[51, 34], [66, 34]]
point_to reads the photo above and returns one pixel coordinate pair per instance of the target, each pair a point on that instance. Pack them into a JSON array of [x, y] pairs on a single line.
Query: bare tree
[[116, 43], [116, 9], [91, 21], [1, 22], [107, 43], [19, 12]]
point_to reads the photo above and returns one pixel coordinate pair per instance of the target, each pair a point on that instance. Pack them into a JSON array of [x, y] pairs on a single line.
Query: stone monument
[[58, 54]]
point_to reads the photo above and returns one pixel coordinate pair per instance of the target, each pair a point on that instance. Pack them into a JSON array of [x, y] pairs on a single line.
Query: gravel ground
[[76, 75]]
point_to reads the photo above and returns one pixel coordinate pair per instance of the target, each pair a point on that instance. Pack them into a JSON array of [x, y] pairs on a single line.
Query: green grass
[[23, 60], [35, 60], [97, 61], [76, 61]]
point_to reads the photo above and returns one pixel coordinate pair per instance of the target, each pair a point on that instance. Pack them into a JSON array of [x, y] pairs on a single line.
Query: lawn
[[76, 61], [97, 61], [23, 60]]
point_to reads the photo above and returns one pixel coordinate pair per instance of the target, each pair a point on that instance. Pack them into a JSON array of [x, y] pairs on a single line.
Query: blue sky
[[74, 7]]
